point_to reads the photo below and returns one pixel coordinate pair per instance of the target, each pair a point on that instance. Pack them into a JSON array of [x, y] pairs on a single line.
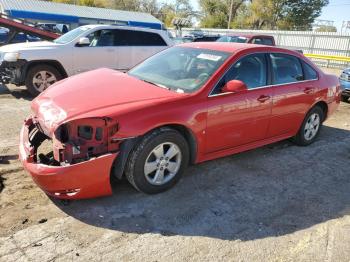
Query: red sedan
[[188, 104]]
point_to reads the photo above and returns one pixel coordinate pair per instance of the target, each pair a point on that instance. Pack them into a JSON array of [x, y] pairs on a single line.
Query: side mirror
[[83, 41], [234, 86]]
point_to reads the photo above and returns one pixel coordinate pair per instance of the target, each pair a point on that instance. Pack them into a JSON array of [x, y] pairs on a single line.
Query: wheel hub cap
[[163, 163], [43, 79], [311, 127]]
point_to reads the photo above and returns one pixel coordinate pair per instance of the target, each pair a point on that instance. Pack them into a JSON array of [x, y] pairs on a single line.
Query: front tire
[[158, 161], [310, 128], [40, 77]]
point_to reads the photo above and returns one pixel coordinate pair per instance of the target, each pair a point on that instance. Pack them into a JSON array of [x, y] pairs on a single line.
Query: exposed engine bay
[[72, 142]]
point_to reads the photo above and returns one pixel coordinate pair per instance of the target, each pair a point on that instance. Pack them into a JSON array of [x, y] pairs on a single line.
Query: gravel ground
[[276, 203]]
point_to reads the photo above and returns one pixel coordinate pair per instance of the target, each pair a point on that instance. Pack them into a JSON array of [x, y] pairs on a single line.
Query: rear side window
[[262, 41], [286, 69], [309, 72], [138, 38], [267, 41]]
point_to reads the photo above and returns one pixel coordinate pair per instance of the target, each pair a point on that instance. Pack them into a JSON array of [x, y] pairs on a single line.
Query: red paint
[[22, 27], [222, 125], [90, 178]]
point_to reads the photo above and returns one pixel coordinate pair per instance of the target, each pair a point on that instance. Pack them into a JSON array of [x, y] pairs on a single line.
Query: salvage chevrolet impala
[[188, 104]]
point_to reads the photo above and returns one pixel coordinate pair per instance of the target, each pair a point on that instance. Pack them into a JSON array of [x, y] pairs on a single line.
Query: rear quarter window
[[309, 72]]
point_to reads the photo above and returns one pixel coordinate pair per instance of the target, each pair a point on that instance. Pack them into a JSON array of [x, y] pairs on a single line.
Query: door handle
[[110, 50], [308, 90], [263, 98]]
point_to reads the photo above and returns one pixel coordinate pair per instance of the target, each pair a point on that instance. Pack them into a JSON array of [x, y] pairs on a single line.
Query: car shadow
[[266, 192], [17, 92]]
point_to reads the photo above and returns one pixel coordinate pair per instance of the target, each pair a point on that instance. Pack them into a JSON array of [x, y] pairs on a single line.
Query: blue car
[[345, 85]]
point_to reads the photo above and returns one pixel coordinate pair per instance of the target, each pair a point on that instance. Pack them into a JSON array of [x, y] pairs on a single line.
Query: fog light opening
[[68, 192]]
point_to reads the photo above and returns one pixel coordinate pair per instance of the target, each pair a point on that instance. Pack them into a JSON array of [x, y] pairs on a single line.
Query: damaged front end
[[75, 160]]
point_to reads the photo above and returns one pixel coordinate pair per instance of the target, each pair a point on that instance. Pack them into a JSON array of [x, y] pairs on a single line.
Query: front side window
[[101, 38], [286, 69], [257, 41], [181, 69], [251, 70]]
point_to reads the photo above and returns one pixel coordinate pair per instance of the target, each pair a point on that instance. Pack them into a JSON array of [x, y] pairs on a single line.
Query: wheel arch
[[53, 63], [189, 137], [128, 145], [323, 105]]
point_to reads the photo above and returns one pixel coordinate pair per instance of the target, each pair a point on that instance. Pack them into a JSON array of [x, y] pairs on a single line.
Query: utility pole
[[230, 15], [345, 26]]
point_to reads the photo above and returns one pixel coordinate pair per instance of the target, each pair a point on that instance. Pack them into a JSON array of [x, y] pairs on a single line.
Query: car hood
[[27, 46], [98, 93]]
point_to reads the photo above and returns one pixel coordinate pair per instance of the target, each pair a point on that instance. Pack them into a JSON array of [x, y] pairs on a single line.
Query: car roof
[[235, 47], [247, 35], [114, 26]]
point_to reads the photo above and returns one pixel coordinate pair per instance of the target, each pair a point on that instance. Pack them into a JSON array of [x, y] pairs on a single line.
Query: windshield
[[181, 69], [71, 35], [233, 39]]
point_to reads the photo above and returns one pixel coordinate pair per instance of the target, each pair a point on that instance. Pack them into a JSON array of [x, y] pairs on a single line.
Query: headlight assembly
[[11, 56]]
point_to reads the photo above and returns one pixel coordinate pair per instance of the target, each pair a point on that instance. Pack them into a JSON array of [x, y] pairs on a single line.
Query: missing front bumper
[[86, 179]]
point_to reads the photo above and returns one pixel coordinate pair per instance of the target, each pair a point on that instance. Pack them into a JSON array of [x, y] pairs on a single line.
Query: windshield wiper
[[156, 84]]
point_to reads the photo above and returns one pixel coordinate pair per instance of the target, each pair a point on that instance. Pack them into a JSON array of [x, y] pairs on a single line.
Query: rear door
[[293, 93], [135, 46], [100, 53]]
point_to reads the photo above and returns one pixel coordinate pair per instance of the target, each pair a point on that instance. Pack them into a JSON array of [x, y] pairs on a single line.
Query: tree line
[[242, 14]]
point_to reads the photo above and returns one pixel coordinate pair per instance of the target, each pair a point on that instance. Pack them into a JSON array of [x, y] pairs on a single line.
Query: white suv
[[40, 64]]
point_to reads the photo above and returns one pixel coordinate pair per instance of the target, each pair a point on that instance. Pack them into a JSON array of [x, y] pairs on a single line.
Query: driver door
[[100, 53], [236, 119]]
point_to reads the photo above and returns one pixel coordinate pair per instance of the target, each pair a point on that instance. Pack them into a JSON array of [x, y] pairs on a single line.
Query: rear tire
[[40, 77], [310, 127], [158, 161]]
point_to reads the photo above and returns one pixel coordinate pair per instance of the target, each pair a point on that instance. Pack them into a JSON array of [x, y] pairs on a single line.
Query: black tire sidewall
[[300, 138], [141, 154], [33, 71]]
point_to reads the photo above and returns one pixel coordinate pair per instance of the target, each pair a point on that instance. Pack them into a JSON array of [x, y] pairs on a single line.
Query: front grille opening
[[85, 132], [99, 134]]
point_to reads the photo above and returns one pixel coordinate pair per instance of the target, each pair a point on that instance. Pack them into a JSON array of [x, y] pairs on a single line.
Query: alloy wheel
[[311, 127], [43, 79], [163, 163]]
